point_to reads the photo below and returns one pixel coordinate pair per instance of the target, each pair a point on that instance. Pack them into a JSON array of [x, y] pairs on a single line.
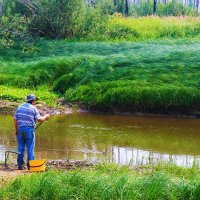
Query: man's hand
[[16, 132], [47, 116]]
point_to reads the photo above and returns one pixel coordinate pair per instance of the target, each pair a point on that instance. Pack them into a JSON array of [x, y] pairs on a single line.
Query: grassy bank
[[155, 74], [108, 182], [152, 76]]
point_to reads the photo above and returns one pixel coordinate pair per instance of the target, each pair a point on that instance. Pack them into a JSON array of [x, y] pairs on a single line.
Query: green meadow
[[150, 76], [147, 64]]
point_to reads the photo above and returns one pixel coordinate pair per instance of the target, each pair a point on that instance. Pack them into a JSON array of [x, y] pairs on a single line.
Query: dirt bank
[[67, 108], [64, 108]]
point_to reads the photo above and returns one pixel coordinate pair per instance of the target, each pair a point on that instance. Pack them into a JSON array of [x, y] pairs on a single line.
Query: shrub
[[13, 29]]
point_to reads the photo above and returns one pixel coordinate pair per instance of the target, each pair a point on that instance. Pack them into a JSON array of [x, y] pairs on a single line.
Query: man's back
[[26, 115]]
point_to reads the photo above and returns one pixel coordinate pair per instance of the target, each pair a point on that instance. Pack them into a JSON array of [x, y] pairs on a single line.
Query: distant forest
[[125, 7]]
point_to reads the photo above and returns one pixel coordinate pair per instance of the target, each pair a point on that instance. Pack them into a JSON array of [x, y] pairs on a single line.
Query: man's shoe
[[20, 167]]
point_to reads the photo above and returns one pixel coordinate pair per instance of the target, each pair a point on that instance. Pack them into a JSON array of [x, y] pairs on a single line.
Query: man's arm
[[45, 117], [39, 118], [15, 125]]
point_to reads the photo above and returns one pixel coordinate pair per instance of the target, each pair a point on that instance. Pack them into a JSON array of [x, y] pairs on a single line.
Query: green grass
[[155, 74], [108, 182], [145, 28], [151, 76], [18, 95]]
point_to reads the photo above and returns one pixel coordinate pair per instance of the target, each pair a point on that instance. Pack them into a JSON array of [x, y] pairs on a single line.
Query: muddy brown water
[[119, 139]]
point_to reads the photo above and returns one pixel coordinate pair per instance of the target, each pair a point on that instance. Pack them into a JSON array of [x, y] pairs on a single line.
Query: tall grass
[[154, 75], [136, 96], [106, 182]]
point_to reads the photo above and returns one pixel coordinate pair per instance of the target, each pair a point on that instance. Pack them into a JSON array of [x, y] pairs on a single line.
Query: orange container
[[37, 165]]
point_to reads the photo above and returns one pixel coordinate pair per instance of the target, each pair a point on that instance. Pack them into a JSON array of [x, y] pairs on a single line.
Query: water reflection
[[119, 139], [133, 156]]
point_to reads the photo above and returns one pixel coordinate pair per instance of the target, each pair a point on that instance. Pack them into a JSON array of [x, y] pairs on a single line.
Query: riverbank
[[10, 107], [108, 181]]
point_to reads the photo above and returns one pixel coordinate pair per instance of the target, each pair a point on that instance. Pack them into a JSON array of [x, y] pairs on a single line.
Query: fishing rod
[[98, 65]]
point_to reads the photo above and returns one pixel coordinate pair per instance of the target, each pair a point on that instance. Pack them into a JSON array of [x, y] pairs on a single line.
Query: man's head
[[31, 98]]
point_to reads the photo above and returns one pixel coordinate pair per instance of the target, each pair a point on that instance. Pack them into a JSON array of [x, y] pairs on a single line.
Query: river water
[[119, 139]]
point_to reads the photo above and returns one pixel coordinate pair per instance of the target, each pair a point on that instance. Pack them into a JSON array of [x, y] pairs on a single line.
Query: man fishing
[[24, 121]]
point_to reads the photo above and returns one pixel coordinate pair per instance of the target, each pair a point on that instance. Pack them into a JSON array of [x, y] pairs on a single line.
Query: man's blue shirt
[[26, 115]]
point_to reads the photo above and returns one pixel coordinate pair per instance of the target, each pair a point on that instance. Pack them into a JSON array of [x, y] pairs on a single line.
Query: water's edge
[[9, 107]]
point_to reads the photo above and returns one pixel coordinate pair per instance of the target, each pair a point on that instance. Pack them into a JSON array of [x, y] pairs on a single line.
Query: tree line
[[149, 7], [126, 7], [22, 20]]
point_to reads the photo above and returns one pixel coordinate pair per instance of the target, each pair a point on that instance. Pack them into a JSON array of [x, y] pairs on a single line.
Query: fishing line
[[98, 65]]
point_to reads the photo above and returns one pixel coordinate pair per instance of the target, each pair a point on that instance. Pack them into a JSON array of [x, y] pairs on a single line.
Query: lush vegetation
[[23, 21], [148, 64], [50, 19], [17, 94], [108, 182], [152, 76]]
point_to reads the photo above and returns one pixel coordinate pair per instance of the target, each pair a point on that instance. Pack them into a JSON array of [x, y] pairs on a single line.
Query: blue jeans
[[25, 137]]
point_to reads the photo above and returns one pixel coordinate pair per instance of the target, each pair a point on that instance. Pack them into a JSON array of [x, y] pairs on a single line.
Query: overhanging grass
[[134, 96], [107, 182]]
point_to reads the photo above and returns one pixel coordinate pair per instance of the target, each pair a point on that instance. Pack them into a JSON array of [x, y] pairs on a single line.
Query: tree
[[13, 29], [29, 4], [154, 6], [1, 7], [54, 18], [126, 9], [197, 5]]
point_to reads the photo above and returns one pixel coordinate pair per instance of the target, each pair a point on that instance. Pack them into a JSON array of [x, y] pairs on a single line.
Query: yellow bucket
[[37, 165]]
